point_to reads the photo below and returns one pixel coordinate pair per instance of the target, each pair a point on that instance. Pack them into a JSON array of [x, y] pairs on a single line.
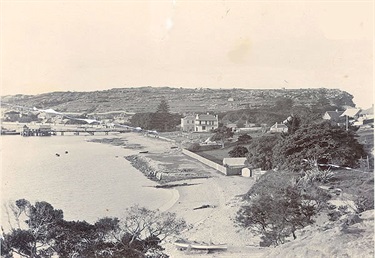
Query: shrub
[[194, 147], [238, 151]]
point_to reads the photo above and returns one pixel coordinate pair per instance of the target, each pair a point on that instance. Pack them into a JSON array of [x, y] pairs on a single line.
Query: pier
[[49, 131]]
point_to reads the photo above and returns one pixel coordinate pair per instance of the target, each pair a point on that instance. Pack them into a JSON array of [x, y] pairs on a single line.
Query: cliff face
[[146, 99]]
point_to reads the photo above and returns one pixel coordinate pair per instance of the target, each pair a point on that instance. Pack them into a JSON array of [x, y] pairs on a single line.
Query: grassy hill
[[146, 99]]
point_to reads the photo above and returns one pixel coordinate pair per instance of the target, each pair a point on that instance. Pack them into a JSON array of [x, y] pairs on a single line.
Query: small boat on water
[[143, 152], [199, 246]]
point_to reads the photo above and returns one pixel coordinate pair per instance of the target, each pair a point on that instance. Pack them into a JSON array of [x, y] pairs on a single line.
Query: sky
[[96, 45]]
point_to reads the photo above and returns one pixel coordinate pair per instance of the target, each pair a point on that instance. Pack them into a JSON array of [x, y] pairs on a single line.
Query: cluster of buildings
[[351, 116]]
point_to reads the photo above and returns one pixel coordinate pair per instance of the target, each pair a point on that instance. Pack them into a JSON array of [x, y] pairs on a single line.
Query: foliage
[[277, 205], [161, 120], [244, 138], [143, 120], [293, 123], [284, 103], [163, 107], [277, 215], [45, 233], [194, 147], [323, 142], [221, 134], [261, 150], [364, 203], [315, 174], [34, 236], [238, 151]]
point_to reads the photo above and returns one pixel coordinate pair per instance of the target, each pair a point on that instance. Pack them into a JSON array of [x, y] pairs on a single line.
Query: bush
[[244, 138], [238, 151], [194, 147], [364, 203], [277, 214]]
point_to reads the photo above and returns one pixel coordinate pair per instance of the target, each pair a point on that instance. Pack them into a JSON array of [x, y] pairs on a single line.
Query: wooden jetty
[[48, 131]]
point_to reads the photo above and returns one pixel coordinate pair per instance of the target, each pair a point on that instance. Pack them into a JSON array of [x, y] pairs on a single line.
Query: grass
[[353, 182]]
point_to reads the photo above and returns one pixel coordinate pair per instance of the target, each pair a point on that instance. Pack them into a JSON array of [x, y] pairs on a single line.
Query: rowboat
[[200, 246]]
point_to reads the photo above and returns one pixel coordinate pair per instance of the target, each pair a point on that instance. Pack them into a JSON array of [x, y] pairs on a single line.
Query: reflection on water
[[90, 181]]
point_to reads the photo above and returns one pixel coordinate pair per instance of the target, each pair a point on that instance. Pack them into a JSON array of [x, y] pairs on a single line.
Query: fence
[[205, 161]]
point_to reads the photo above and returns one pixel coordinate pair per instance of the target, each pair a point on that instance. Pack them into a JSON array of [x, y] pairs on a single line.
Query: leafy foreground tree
[[277, 206], [40, 231], [322, 142]]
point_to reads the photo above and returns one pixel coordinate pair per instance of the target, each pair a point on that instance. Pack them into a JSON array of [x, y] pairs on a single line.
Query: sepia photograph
[[187, 128]]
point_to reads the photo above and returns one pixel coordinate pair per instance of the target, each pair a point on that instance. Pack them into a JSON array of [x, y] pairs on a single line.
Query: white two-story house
[[199, 123], [206, 122]]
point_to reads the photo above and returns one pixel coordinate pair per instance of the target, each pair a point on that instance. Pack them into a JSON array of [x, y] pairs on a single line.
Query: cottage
[[335, 117], [232, 126], [351, 113], [234, 165], [187, 123], [279, 128]]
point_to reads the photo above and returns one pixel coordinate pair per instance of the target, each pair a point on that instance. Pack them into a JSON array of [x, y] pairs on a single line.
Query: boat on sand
[[183, 244]]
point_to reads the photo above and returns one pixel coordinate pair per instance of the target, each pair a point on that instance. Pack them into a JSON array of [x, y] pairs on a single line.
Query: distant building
[[279, 128], [199, 123], [206, 122], [335, 117], [232, 126], [351, 113], [188, 123]]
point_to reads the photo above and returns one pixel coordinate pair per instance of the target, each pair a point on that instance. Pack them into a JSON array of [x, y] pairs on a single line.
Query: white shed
[[234, 161]]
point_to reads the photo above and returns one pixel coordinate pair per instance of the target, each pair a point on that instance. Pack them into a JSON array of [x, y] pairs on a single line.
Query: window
[[203, 128]]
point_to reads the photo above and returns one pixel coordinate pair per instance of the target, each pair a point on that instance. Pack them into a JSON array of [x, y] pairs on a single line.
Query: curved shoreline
[[143, 167], [172, 202]]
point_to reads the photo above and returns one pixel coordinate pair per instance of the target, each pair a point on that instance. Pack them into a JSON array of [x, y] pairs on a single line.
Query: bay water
[[86, 180]]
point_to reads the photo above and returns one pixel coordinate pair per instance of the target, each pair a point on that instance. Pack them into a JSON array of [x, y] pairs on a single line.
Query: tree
[[293, 123], [322, 142], [238, 151], [261, 151], [244, 138], [284, 104], [222, 134], [162, 119], [142, 223], [33, 234], [45, 233], [143, 120], [276, 206]]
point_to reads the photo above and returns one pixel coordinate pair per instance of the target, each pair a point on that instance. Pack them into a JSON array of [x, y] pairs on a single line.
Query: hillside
[[355, 240], [146, 99]]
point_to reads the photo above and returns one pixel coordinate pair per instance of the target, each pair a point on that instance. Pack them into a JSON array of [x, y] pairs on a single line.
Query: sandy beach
[[221, 193]]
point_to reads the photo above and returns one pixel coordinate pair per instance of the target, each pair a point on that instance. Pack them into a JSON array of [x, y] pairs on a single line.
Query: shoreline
[[172, 202], [208, 204]]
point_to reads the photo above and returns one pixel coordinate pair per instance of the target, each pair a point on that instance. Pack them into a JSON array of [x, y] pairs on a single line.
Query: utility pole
[[347, 123]]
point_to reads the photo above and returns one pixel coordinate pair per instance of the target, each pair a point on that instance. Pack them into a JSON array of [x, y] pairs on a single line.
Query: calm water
[[88, 183]]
